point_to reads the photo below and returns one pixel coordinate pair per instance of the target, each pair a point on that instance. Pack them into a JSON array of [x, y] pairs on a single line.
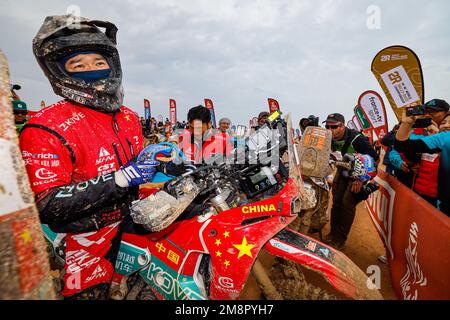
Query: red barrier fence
[[417, 240]]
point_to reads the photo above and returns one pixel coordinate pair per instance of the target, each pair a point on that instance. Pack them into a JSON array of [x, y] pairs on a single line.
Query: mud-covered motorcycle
[[208, 227]]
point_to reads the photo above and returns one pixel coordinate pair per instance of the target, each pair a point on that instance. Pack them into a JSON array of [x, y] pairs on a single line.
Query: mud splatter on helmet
[[60, 36]]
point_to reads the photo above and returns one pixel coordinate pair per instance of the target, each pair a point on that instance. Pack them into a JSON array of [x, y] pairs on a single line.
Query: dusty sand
[[363, 247]]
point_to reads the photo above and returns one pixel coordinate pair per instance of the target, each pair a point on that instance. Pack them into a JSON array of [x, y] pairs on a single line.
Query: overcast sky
[[314, 57]]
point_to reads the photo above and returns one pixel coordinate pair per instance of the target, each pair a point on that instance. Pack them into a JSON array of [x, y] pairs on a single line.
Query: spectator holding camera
[[425, 181], [432, 144]]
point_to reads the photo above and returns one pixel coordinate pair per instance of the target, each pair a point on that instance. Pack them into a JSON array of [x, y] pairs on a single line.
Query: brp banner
[[399, 73], [416, 236], [352, 125], [365, 124], [173, 111], [210, 106], [373, 107], [273, 105], [357, 123], [147, 111], [42, 104]]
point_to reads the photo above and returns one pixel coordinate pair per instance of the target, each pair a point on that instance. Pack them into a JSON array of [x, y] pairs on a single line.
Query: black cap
[[437, 105], [335, 117], [19, 105]]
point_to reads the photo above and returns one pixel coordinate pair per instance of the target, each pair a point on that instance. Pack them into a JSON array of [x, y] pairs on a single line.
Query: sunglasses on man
[[23, 113], [333, 127]]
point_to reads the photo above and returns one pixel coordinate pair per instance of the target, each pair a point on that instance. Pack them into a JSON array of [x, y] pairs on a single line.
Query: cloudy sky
[[314, 57]]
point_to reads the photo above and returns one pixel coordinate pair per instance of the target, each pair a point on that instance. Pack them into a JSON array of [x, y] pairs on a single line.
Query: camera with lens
[[415, 111], [418, 111], [366, 191]]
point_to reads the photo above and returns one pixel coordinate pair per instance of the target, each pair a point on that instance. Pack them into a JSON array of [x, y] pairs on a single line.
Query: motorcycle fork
[[264, 282]]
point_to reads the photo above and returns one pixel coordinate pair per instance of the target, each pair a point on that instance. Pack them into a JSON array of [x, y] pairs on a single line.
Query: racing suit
[[70, 153]]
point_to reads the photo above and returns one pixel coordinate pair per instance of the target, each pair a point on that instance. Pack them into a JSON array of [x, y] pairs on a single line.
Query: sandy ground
[[363, 247]]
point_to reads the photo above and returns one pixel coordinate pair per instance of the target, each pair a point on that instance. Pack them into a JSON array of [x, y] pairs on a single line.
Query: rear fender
[[334, 266]]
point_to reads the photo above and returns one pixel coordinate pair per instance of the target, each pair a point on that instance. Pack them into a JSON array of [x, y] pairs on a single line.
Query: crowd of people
[[419, 153], [423, 170], [81, 153]]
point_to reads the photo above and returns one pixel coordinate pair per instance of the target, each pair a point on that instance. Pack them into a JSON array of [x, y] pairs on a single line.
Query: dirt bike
[[209, 226]]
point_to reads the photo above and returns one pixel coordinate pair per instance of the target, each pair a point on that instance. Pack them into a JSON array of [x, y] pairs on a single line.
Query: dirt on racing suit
[[70, 152]]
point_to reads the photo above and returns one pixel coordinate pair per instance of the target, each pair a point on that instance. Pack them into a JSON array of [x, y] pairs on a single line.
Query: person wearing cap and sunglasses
[[20, 114], [432, 144], [345, 189]]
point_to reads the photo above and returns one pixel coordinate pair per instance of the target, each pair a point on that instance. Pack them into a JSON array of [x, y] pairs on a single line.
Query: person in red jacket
[[80, 153], [426, 178], [199, 142]]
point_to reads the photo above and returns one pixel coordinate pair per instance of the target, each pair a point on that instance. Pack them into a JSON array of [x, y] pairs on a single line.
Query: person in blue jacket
[[436, 143]]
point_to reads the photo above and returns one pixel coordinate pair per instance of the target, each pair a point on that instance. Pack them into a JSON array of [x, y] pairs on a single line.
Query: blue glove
[[145, 169], [137, 173]]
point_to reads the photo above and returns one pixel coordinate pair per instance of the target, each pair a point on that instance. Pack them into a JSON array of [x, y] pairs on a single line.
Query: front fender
[[342, 273]]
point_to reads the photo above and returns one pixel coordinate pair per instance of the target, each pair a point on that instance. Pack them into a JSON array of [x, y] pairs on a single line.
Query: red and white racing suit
[[70, 152]]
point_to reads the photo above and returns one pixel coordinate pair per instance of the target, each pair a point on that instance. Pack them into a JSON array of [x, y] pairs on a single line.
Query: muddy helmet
[[62, 36]]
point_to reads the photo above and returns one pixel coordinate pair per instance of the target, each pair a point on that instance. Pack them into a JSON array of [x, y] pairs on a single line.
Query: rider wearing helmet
[[80, 153]]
